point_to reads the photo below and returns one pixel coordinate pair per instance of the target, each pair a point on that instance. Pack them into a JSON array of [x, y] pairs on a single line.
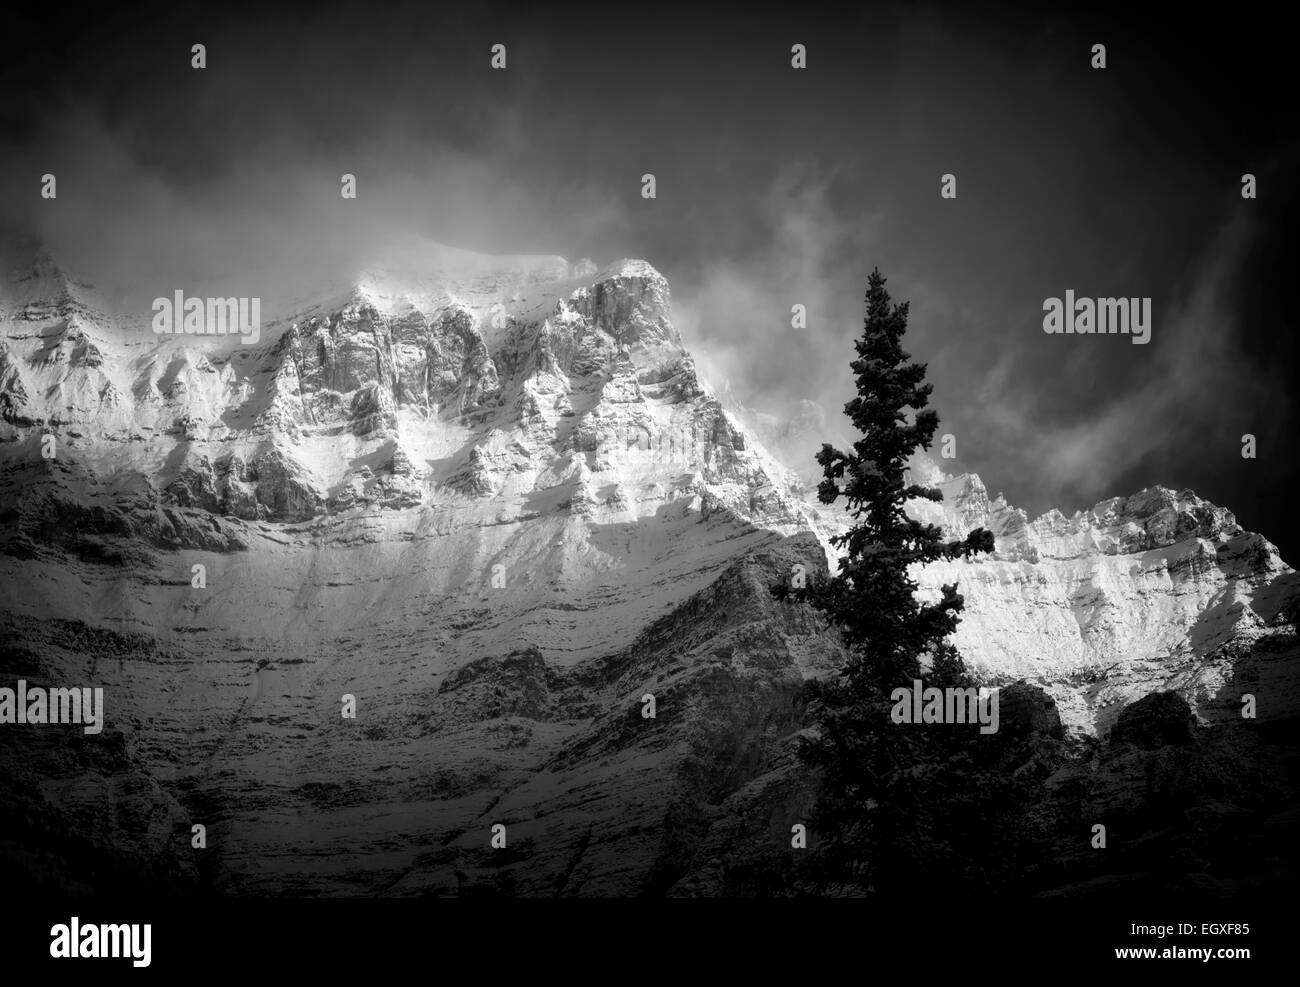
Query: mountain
[[1161, 590], [491, 499]]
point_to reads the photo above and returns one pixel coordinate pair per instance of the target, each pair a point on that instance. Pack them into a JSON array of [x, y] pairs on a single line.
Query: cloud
[[738, 310], [776, 188], [1186, 398]]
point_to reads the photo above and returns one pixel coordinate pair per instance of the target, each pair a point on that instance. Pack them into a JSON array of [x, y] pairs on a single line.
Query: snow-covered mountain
[[1161, 590], [492, 499]]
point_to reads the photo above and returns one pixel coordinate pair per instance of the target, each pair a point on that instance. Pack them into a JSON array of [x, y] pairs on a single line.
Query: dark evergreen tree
[[873, 820]]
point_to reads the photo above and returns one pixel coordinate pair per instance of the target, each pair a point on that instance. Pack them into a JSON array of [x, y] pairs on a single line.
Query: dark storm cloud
[[775, 187]]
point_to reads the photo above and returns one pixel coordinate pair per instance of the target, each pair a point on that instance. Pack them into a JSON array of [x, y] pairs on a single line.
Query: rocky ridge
[[492, 499]]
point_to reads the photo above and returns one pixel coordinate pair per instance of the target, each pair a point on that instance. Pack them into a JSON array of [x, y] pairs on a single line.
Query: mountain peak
[[628, 267]]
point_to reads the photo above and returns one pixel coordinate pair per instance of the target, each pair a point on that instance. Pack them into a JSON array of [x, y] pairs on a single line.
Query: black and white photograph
[[793, 453]]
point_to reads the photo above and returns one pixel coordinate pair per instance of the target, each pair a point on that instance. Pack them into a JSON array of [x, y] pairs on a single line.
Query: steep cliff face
[[492, 500], [1160, 591]]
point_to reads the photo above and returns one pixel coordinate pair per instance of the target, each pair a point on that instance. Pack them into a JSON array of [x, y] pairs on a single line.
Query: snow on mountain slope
[[492, 499], [396, 496], [1161, 590], [447, 393], [460, 442]]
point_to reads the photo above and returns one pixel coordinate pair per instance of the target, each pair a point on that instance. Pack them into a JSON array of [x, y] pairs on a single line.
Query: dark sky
[[775, 187]]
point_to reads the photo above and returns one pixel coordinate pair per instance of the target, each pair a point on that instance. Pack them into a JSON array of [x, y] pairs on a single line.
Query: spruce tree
[[875, 774]]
